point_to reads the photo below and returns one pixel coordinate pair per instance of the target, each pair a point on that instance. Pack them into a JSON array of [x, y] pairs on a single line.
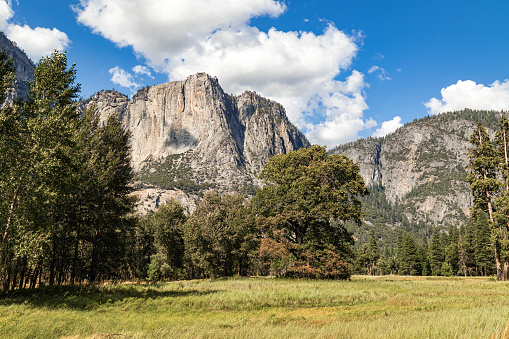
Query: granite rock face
[[422, 166], [192, 132], [24, 67]]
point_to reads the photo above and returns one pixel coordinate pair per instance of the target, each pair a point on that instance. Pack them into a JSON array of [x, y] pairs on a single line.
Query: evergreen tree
[[500, 239], [452, 251], [484, 164], [436, 253], [483, 249], [373, 252]]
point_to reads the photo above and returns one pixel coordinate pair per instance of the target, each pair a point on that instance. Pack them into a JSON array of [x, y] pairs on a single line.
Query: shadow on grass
[[89, 297]]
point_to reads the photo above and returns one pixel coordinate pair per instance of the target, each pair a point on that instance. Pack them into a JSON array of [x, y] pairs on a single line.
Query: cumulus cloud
[[468, 94], [123, 78], [142, 70], [37, 42], [388, 127], [6, 13], [298, 69], [344, 114]]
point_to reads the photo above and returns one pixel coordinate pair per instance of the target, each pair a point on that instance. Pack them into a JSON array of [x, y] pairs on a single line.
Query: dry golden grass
[[365, 307]]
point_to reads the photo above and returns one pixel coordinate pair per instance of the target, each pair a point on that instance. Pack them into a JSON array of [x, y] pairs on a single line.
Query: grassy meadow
[[365, 307]]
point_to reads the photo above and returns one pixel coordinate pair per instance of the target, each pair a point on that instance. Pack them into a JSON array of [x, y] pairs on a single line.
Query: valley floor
[[365, 307]]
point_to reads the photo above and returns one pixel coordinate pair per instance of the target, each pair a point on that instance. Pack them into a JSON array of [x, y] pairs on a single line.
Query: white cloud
[[382, 74], [142, 70], [123, 78], [388, 127], [36, 42], [468, 94], [298, 69], [6, 13], [344, 114]]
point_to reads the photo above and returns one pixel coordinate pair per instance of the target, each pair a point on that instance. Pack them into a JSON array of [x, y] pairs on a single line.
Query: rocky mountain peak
[[191, 132]]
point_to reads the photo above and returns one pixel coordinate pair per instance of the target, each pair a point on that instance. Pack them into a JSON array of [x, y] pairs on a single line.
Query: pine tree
[[436, 253], [501, 240], [452, 250], [373, 252], [483, 166], [483, 249]]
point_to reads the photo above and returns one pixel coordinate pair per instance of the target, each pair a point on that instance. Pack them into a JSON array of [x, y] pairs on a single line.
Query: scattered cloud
[[388, 127], [123, 78], [142, 70], [299, 69], [382, 74], [468, 94], [37, 42], [344, 114]]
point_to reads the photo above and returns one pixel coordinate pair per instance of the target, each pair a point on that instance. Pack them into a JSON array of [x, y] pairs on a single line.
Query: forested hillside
[[397, 237], [417, 175]]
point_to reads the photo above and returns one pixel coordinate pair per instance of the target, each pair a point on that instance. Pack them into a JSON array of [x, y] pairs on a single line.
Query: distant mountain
[[189, 136], [24, 67], [417, 174]]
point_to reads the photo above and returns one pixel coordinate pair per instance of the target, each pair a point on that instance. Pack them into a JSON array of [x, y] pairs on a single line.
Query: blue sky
[[342, 69]]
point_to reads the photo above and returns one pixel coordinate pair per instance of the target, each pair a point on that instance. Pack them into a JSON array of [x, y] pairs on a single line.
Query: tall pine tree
[[483, 166]]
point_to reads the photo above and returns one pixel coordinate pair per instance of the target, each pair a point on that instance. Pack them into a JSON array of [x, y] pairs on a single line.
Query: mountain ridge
[[419, 172], [191, 135]]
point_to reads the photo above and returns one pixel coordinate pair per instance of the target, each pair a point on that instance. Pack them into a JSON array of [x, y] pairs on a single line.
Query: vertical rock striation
[[192, 133], [422, 166]]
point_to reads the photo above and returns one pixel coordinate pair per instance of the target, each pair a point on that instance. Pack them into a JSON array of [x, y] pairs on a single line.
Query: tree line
[[67, 215]]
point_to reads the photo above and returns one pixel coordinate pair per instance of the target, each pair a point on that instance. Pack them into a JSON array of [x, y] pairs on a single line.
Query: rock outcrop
[[24, 67], [422, 166], [193, 136]]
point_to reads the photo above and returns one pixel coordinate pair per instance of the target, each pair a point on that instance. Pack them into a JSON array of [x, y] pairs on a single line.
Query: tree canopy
[[308, 197]]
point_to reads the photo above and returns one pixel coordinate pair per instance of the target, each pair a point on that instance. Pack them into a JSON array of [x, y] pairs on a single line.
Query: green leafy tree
[[219, 237], [14, 160], [309, 197], [167, 225]]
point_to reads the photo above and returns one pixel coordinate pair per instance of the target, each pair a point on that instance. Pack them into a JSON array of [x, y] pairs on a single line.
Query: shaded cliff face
[[191, 135], [422, 166], [24, 67]]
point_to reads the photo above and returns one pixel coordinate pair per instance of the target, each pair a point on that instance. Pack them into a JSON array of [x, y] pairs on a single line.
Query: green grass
[[365, 307]]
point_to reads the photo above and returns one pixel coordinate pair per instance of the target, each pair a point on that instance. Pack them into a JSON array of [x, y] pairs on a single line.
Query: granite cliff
[[192, 136], [24, 67], [420, 169]]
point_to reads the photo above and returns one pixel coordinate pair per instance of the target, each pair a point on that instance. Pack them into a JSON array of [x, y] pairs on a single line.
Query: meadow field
[[364, 307]]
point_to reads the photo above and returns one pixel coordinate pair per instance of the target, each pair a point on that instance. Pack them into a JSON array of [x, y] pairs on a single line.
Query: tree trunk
[[499, 265], [93, 262], [506, 269], [8, 225], [53, 262]]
